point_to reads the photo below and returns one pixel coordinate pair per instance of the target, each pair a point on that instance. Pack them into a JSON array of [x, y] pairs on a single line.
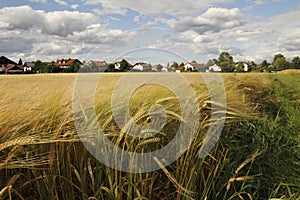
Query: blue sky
[[152, 31]]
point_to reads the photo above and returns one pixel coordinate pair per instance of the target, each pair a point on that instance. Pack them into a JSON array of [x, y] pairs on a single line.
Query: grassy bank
[[257, 156]]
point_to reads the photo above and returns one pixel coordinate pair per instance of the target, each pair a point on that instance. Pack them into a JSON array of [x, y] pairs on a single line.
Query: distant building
[[66, 63], [14, 69], [193, 66], [28, 66], [142, 67], [95, 66], [4, 62], [214, 68]]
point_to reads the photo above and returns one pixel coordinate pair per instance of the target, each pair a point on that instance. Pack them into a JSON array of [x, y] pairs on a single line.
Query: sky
[[149, 31]]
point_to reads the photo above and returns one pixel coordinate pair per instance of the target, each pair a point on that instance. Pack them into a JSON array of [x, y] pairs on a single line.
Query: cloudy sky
[[154, 31]]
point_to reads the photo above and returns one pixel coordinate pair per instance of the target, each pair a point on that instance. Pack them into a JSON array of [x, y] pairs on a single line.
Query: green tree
[[73, 68], [124, 66], [239, 67], [20, 62], [41, 67], [271, 68], [279, 62], [296, 63], [209, 63], [225, 61], [175, 65], [159, 67], [110, 68], [264, 66]]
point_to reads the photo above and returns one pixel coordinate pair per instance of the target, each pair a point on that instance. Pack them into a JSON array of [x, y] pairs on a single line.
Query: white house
[[142, 67], [138, 67], [117, 65], [214, 68], [28, 66], [164, 69]]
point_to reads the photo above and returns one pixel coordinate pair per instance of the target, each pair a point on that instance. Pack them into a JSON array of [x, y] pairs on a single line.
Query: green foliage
[[175, 65], [225, 61], [264, 65], [20, 62], [296, 63], [239, 67], [280, 62], [41, 67]]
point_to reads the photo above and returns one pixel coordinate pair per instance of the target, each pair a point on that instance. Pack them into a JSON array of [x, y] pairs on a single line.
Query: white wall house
[[246, 67], [138, 67], [117, 65], [192, 66], [164, 69], [28, 66], [214, 68]]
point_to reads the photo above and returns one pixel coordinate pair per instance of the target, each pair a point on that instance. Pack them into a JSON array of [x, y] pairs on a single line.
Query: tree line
[[279, 63]]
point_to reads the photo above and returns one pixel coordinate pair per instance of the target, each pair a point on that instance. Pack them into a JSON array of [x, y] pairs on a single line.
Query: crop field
[[256, 157]]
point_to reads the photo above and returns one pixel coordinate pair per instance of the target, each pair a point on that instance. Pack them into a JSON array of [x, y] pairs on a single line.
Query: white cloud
[[213, 20], [39, 1], [74, 6], [64, 23], [61, 23], [43, 34], [242, 39], [155, 8], [61, 2], [23, 17]]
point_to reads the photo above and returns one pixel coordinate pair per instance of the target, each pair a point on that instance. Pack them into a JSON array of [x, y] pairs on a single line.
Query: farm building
[[214, 68]]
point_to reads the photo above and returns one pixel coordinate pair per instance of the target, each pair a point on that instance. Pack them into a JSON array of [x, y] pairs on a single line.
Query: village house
[[28, 66], [66, 63], [140, 66], [4, 63], [14, 69], [193, 66], [95, 66], [214, 68], [118, 64]]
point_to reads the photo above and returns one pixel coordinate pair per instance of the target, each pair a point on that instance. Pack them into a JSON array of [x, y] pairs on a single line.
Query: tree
[[279, 62], [239, 67], [73, 68], [209, 63], [175, 65], [159, 67], [252, 66], [264, 66], [110, 68], [296, 63], [124, 66], [20, 62], [225, 61], [41, 67]]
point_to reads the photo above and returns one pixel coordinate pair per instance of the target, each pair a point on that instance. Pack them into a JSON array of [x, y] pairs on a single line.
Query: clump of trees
[[279, 63]]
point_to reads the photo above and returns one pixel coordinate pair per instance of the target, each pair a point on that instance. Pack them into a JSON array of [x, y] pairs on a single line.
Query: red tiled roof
[[14, 67], [143, 64], [99, 63], [196, 65], [65, 62]]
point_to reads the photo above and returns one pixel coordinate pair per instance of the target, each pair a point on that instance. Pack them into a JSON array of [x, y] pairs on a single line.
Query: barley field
[[256, 157]]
